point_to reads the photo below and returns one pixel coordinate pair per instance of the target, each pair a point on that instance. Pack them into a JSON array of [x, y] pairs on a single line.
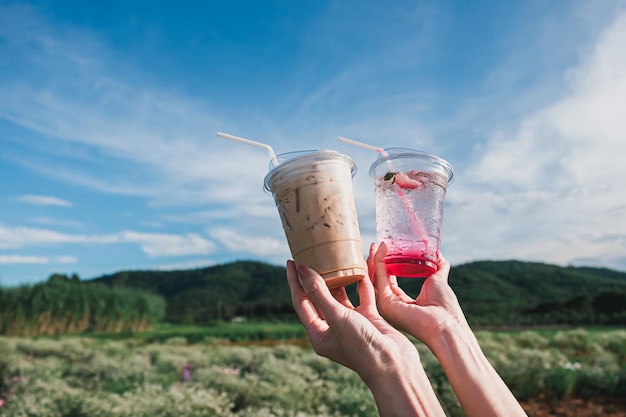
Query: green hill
[[490, 292], [244, 288], [515, 292]]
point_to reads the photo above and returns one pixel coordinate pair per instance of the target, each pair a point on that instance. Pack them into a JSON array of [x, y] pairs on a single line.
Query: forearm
[[405, 392], [477, 385]]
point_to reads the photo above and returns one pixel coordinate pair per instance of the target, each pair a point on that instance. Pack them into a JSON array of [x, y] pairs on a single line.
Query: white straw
[[363, 145], [265, 146]]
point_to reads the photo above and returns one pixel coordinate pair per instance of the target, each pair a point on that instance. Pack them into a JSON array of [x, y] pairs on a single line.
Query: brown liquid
[[315, 201]]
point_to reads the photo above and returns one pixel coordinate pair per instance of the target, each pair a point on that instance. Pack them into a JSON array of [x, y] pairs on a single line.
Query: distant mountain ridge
[[220, 292], [490, 292]]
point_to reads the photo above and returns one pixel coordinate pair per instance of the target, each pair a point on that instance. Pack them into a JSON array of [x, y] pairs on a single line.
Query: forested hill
[[490, 292], [244, 288], [515, 292]]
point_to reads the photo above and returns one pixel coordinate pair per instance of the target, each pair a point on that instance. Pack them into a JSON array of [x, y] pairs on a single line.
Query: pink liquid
[[413, 262], [410, 267]]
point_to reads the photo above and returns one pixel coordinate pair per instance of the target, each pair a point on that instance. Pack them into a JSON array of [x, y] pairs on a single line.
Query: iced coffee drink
[[315, 200]]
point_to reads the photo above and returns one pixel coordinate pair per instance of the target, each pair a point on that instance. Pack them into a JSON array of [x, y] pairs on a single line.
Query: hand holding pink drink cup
[[410, 189]]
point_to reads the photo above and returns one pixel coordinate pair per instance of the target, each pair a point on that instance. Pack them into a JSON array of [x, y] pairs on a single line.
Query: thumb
[[382, 281], [317, 291], [387, 289]]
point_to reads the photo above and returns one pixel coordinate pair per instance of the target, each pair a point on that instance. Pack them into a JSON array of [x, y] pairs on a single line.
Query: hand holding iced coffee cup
[[410, 192]]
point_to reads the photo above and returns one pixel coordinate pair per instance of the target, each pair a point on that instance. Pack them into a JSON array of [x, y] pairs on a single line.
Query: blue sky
[[108, 114]]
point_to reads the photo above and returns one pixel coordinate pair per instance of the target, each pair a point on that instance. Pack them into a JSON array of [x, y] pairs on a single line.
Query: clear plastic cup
[[315, 199], [410, 193]]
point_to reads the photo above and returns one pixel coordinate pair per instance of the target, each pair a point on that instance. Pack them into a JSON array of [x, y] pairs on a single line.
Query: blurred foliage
[[86, 376], [64, 305], [203, 296], [234, 332]]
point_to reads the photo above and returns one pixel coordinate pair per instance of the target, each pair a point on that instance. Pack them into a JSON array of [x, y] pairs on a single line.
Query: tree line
[[65, 305], [490, 293]]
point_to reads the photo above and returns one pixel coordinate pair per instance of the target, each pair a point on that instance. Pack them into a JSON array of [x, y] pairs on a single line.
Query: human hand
[[435, 317], [360, 339], [356, 337], [434, 310]]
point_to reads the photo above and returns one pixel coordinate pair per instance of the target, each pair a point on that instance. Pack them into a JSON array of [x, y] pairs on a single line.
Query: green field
[[235, 372], [234, 332]]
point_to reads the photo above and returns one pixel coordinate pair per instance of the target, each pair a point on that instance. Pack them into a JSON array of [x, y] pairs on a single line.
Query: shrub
[[560, 381], [574, 343], [598, 377], [614, 342], [531, 340]]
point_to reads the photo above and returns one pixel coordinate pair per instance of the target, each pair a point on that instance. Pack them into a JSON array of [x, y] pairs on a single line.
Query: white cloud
[[44, 200], [17, 237], [22, 259], [262, 246], [29, 259], [152, 244], [163, 245], [65, 260], [552, 189], [192, 264]]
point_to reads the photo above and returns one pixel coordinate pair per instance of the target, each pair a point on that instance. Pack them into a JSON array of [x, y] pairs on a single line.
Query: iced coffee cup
[[410, 192], [315, 200]]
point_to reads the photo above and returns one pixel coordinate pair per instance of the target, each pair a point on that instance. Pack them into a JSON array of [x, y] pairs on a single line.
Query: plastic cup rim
[[303, 154], [402, 153]]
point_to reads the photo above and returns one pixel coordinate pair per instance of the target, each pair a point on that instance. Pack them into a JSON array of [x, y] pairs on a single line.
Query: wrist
[[403, 390], [452, 337], [438, 335], [477, 385]]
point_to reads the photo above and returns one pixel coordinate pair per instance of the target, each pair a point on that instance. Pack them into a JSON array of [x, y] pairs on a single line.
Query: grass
[[234, 332]]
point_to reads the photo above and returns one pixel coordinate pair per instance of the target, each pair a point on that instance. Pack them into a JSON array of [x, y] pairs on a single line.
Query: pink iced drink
[[409, 210]]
